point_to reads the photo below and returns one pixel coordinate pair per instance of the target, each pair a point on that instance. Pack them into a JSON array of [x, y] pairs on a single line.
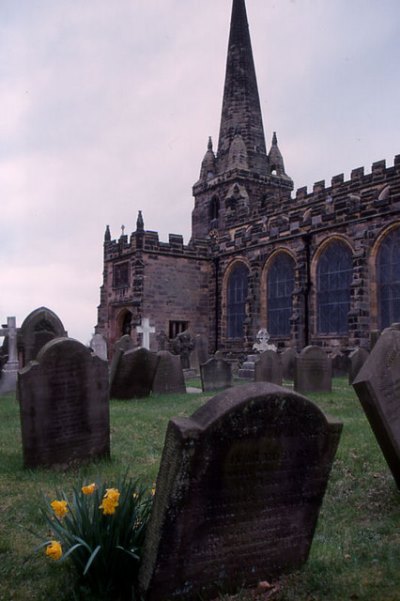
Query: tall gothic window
[[237, 294], [280, 285], [334, 274], [388, 276]]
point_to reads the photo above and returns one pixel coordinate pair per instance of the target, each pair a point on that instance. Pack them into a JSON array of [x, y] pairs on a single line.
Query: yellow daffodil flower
[[89, 489], [60, 508], [54, 550], [110, 501]]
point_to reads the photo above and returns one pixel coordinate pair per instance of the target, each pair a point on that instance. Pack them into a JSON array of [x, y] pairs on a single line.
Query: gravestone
[[238, 493], [248, 368], [357, 359], [99, 345], [162, 341], [216, 374], [123, 344], [340, 364], [9, 370], [201, 346], [268, 368], [64, 406], [38, 328], [288, 360], [134, 374], [183, 345], [145, 329], [313, 371], [377, 385], [169, 375]]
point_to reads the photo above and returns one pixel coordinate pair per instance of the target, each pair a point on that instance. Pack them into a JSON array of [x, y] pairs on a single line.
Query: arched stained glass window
[[388, 276], [334, 275], [280, 285], [237, 294]]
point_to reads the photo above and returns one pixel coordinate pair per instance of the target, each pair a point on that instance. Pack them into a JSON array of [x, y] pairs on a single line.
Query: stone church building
[[313, 267]]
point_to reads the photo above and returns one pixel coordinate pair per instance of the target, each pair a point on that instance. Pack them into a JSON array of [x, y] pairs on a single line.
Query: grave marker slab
[[288, 360], [216, 374], [238, 493], [134, 374], [9, 371], [64, 406], [357, 359], [377, 385], [268, 368], [169, 374], [313, 371], [99, 345], [38, 328]]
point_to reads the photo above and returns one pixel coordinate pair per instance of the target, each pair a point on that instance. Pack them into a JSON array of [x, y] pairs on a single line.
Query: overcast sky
[[106, 108]]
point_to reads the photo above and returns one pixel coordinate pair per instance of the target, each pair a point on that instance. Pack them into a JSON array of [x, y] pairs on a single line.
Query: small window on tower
[[121, 275], [176, 327]]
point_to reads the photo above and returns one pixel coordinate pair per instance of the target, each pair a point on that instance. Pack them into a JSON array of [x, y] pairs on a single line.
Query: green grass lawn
[[356, 548]]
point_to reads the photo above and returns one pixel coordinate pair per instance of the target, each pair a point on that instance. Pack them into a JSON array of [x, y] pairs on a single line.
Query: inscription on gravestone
[[377, 385], [64, 405], [238, 493]]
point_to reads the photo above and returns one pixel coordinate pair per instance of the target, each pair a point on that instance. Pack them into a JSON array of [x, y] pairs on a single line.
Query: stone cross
[[10, 330], [146, 329], [9, 374]]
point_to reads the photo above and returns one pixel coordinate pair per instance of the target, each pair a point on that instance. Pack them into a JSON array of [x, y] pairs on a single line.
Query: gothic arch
[[266, 298], [331, 274], [234, 293], [124, 322], [385, 278]]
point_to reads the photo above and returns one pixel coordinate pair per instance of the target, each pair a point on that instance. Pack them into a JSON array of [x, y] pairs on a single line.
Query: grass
[[356, 548]]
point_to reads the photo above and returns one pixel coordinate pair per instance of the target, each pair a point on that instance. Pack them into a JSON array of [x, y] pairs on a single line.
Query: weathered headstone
[[162, 341], [145, 329], [288, 360], [262, 342], [38, 328], [313, 371], [183, 345], [340, 364], [8, 375], [268, 368], [64, 405], [238, 493], [99, 345], [216, 374], [248, 368], [134, 374], [123, 344], [357, 359], [377, 385], [201, 346], [169, 375]]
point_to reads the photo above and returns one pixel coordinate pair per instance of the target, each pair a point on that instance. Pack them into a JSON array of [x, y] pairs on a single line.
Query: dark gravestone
[[377, 385], [123, 344], [169, 375], [288, 360], [313, 371], [41, 326], [357, 359], [202, 349], [64, 405], [183, 345], [216, 374], [238, 493], [268, 368], [340, 364], [134, 374]]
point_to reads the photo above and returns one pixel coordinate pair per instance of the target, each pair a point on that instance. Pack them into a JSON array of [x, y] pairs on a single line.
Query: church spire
[[241, 112]]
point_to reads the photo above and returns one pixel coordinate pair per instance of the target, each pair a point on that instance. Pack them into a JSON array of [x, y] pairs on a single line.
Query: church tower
[[237, 182]]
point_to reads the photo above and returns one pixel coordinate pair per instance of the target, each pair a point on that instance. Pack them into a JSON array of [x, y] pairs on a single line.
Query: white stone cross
[[11, 331], [146, 329]]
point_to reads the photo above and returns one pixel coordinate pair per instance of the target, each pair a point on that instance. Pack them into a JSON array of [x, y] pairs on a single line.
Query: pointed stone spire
[[140, 222], [107, 234], [207, 170], [276, 160], [241, 111]]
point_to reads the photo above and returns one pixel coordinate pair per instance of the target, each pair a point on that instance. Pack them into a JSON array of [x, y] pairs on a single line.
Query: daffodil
[[54, 550], [110, 501], [89, 489], [60, 508]]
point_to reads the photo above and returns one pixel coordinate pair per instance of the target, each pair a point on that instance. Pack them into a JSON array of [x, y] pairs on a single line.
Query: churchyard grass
[[356, 548]]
